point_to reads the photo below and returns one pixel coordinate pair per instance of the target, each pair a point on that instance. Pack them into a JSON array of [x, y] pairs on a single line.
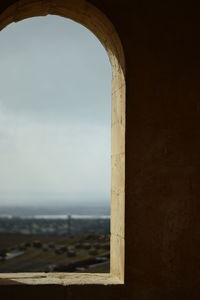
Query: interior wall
[[161, 46]]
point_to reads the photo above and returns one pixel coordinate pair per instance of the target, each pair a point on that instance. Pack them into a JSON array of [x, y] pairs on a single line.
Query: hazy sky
[[55, 113]]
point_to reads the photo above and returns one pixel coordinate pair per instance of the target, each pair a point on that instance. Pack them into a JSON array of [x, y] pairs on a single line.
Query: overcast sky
[[55, 114]]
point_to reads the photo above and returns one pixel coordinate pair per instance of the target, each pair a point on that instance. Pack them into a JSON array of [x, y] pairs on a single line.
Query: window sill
[[59, 279]]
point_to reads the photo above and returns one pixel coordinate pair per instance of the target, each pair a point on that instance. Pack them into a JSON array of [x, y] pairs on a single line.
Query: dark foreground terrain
[[74, 249]]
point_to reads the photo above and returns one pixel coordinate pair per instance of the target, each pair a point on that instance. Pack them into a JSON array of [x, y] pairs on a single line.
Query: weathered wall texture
[[162, 51]]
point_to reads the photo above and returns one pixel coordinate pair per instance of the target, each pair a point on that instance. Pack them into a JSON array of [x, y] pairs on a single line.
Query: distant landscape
[[67, 239]]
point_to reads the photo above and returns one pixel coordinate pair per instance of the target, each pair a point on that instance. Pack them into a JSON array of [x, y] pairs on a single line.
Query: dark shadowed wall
[[162, 52]]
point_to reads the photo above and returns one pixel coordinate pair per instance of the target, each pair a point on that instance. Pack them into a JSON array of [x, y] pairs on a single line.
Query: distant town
[[54, 243]]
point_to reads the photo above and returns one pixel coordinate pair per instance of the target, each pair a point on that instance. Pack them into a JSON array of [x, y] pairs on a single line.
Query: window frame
[[92, 18]]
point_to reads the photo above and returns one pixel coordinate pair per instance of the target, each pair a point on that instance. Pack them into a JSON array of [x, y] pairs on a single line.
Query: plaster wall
[[162, 256]]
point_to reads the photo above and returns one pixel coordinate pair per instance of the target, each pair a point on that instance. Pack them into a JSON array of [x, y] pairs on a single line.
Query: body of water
[[56, 217]]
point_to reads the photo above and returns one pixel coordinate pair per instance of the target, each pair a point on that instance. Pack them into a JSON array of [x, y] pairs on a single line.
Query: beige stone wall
[[161, 46]]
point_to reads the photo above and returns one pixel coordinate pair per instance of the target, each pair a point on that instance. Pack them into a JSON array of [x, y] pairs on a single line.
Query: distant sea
[[75, 212], [56, 217]]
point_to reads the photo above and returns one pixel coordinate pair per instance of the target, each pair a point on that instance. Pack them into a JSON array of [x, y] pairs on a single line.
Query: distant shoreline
[[56, 217]]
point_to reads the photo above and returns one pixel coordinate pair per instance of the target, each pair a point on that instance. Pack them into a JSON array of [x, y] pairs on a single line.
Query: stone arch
[[89, 16]]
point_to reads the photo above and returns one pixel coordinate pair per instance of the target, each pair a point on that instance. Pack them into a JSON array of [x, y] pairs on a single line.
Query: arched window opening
[[89, 16], [55, 115]]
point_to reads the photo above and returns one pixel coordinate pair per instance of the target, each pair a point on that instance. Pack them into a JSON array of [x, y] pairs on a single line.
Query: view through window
[[55, 128]]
